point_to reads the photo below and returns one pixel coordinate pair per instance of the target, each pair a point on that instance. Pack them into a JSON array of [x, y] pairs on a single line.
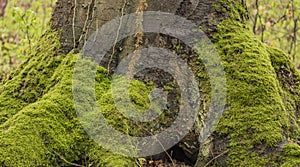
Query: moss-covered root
[[47, 132], [257, 119], [32, 79]]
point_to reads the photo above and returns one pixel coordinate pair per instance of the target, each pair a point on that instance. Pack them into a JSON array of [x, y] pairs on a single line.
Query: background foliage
[[275, 22], [23, 23]]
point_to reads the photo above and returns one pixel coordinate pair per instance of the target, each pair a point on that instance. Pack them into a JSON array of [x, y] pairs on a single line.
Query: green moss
[[168, 88], [38, 130], [289, 80], [39, 125], [32, 79], [291, 153], [216, 6], [236, 9], [263, 95], [100, 158], [139, 96], [291, 150], [256, 116]]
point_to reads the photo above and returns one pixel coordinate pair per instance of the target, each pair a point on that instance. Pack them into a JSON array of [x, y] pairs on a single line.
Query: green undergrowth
[[262, 107]]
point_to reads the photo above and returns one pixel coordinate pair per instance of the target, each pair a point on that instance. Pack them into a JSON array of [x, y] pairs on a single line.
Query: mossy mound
[[262, 100], [32, 79], [39, 126]]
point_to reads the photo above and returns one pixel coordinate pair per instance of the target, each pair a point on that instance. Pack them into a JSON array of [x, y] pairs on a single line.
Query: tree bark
[[260, 126]]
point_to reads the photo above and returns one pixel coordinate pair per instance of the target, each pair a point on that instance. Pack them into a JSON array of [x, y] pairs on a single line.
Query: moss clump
[[289, 80], [257, 114], [32, 79], [138, 96], [236, 9], [291, 155], [39, 125], [41, 132]]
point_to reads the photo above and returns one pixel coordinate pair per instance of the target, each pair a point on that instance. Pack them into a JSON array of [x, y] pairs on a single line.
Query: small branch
[[117, 36], [293, 45], [169, 156], [66, 161], [256, 16], [73, 24], [89, 16], [283, 17], [223, 153]]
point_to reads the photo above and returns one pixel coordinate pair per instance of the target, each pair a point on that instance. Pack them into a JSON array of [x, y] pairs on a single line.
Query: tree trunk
[[3, 4], [41, 125]]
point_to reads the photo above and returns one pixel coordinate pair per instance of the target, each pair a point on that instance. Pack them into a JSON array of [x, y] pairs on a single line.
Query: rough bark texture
[[39, 126]]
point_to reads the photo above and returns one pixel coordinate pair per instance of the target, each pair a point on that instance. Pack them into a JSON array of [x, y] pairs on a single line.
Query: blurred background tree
[[275, 22]]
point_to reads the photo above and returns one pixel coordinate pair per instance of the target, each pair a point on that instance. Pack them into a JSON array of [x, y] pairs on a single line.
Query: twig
[[66, 161], [169, 156], [256, 16], [117, 36], [73, 24], [86, 24], [226, 151]]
